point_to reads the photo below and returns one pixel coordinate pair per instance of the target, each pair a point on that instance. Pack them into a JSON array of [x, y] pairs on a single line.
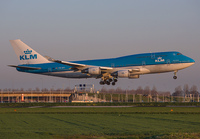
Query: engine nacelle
[[121, 74], [92, 70], [124, 74]]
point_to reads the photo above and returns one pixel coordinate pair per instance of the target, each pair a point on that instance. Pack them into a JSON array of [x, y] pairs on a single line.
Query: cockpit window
[[179, 54]]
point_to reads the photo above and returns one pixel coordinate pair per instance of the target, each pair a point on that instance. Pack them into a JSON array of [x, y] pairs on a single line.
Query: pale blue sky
[[77, 30]]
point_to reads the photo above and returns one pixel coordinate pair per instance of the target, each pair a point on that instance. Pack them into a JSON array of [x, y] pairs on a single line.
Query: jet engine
[[124, 74], [121, 73], [92, 70]]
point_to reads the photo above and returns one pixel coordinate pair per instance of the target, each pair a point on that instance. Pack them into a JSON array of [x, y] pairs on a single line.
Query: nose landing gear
[[175, 77]]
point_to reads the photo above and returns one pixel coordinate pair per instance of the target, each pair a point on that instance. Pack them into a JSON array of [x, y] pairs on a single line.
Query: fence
[[70, 96], [34, 96]]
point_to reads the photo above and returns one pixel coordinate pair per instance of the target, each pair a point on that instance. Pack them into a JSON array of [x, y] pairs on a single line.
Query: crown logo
[[28, 51]]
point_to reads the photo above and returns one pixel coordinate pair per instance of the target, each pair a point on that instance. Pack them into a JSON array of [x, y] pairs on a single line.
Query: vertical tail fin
[[25, 54]]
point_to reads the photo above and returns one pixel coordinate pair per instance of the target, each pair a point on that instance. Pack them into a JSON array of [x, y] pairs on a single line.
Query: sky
[[80, 30]]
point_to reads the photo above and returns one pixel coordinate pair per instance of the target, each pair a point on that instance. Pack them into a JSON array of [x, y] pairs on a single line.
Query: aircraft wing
[[76, 66], [80, 66], [135, 70], [70, 63]]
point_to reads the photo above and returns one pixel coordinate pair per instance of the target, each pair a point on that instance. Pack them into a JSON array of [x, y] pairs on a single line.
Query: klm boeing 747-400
[[109, 70]]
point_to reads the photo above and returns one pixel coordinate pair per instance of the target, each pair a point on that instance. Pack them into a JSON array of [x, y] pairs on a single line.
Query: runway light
[[15, 110], [171, 109]]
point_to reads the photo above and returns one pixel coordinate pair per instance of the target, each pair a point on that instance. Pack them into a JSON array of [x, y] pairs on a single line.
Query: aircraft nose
[[192, 60], [189, 60]]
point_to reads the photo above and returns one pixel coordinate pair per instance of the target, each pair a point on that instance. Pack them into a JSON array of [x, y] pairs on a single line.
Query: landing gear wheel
[[110, 80], [115, 79], [175, 77], [113, 83], [101, 82], [107, 82]]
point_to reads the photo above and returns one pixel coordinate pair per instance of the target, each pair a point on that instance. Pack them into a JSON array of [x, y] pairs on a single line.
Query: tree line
[[139, 91], [186, 90]]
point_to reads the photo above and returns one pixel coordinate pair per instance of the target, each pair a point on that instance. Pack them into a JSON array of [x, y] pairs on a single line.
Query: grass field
[[128, 122], [102, 110]]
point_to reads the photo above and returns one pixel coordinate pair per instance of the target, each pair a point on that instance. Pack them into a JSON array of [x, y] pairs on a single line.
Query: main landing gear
[[175, 77], [108, 81]]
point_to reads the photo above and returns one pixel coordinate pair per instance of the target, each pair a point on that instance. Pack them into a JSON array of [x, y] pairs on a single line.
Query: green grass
[[103, 110], [115, 123], [152, 104]]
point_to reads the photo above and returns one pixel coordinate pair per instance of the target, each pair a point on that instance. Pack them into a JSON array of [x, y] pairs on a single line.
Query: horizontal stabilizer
[[24, 67]]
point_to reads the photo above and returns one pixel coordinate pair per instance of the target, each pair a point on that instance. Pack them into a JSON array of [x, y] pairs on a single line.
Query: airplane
[[109, 70]]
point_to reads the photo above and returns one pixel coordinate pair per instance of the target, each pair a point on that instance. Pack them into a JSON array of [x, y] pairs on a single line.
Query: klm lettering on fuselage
[[28, 55], [159, 59]]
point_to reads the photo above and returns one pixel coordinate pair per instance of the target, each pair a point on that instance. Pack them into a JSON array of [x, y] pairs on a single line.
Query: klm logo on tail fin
[[28, 55]]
